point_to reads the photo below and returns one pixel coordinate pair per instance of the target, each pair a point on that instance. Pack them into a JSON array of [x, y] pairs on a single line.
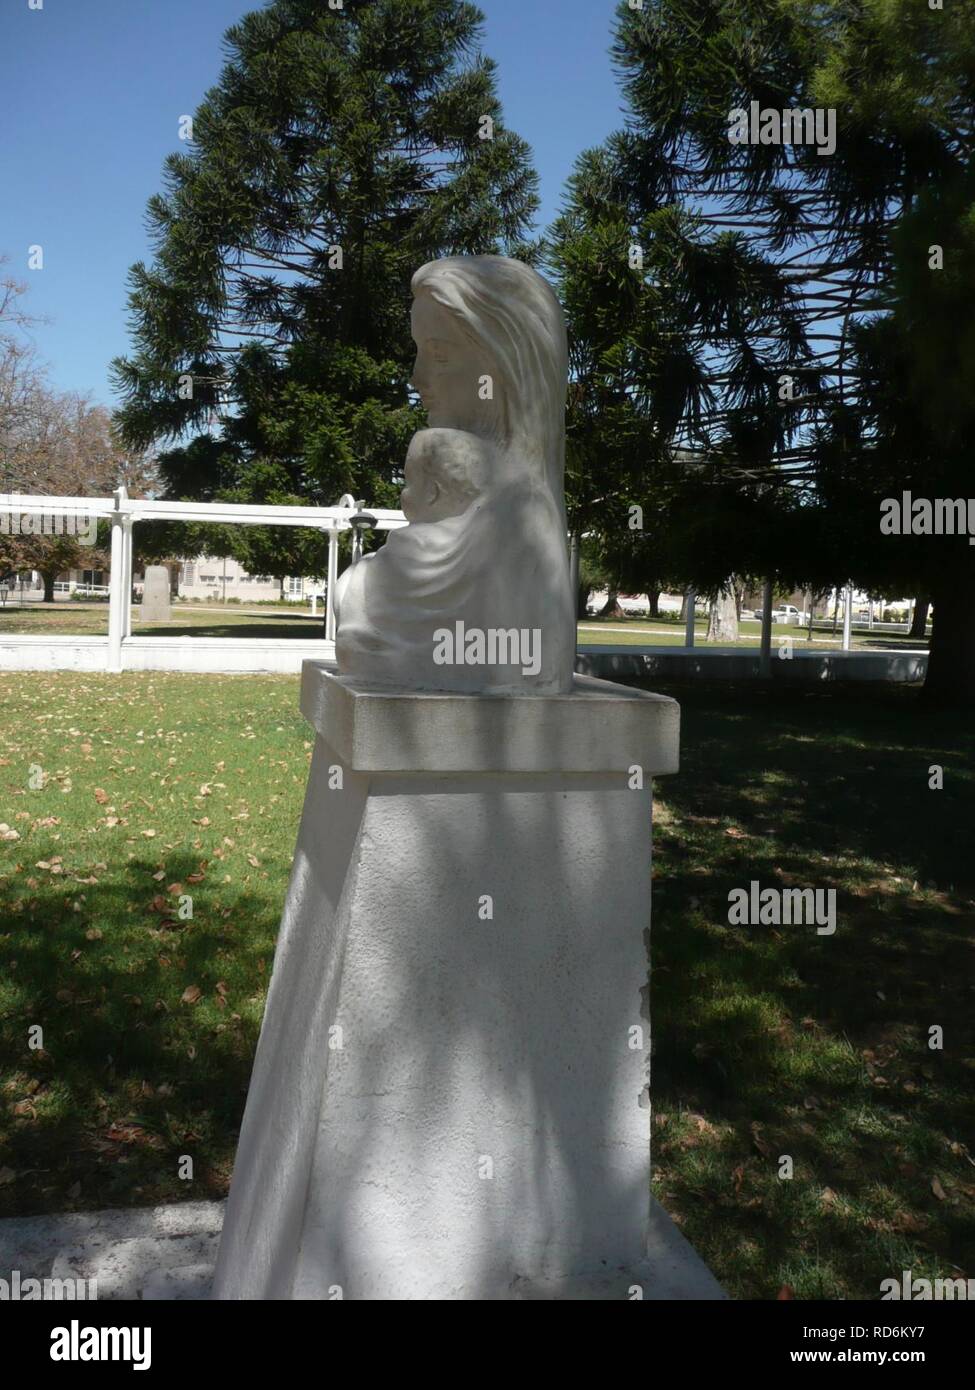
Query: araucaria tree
[[782, 163], [341, 149]]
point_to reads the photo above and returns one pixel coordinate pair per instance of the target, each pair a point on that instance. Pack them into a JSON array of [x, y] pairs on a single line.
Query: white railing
[[123, 511], [63, 586]]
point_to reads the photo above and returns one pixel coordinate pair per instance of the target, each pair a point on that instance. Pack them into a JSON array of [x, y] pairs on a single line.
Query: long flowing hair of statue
[[512, 315]]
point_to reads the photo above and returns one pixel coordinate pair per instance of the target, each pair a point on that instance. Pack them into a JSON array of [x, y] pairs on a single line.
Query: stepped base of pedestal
[[147, 1253], [121, 1251], [671, 1272]]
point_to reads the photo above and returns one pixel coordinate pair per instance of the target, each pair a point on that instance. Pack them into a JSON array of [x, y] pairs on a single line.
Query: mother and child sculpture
[[486, 540]]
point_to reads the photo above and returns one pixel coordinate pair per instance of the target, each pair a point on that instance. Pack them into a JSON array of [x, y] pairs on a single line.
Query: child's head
[[444, 474]]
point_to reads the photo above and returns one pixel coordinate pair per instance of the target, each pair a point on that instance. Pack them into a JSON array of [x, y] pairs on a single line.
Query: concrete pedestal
[[450, 1099]]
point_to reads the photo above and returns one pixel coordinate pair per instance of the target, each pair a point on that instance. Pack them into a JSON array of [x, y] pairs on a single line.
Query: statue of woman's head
[[492, 359]]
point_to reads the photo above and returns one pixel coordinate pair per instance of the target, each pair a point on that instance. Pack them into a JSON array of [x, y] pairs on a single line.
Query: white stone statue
[[474, 594], [445, 1104]]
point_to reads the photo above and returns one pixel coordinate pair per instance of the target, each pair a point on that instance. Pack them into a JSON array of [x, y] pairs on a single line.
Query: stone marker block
[[155, 606]]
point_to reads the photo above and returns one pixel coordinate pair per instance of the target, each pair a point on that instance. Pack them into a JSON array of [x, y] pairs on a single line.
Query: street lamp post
[[360, 521]]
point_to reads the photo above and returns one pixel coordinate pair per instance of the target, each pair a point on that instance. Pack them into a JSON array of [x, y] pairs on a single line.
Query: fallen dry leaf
[[761, 1144]]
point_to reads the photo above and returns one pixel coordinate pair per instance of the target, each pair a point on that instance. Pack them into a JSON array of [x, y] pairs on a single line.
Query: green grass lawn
[[282, 620], [69, 619], [769, 1041], [773, 1041], [155, 786]]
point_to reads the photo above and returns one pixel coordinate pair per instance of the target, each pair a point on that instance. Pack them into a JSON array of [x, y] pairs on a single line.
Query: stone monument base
[[166, 1253], [450, 1095]]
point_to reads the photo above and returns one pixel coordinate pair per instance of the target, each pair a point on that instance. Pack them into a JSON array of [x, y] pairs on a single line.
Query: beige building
[[207, 577]]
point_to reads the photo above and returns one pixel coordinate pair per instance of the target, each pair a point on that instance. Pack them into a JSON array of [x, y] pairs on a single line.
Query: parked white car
[[786, 613]]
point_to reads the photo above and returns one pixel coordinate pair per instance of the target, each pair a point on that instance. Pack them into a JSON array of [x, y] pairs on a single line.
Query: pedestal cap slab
[[598, 727]]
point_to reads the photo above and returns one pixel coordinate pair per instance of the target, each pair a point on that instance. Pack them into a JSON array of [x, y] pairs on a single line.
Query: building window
[[295, 587], [189, 574]]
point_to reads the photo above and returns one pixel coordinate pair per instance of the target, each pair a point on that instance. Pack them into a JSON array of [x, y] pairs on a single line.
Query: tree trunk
[[683, 606], [611, 608], [951, 661], [723, 618], [48, 587], [653, 598], [582, 599], [919, 625]]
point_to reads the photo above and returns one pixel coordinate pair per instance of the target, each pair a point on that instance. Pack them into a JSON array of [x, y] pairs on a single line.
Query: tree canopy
[[340, 150], [728, 294]]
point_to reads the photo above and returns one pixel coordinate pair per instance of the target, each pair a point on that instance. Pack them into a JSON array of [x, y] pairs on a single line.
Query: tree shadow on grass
[[776, 1041], [134, 1071], [269, 628]]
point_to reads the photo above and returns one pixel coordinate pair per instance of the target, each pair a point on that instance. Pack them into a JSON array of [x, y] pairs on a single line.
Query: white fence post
[[116, 581], [126, 577], [333, 574]]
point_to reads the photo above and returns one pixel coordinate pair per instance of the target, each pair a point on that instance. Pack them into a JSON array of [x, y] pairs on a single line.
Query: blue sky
[[91, 92]]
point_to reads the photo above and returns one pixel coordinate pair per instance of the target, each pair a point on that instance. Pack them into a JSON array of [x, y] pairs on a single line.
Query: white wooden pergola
[[123, 511]]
